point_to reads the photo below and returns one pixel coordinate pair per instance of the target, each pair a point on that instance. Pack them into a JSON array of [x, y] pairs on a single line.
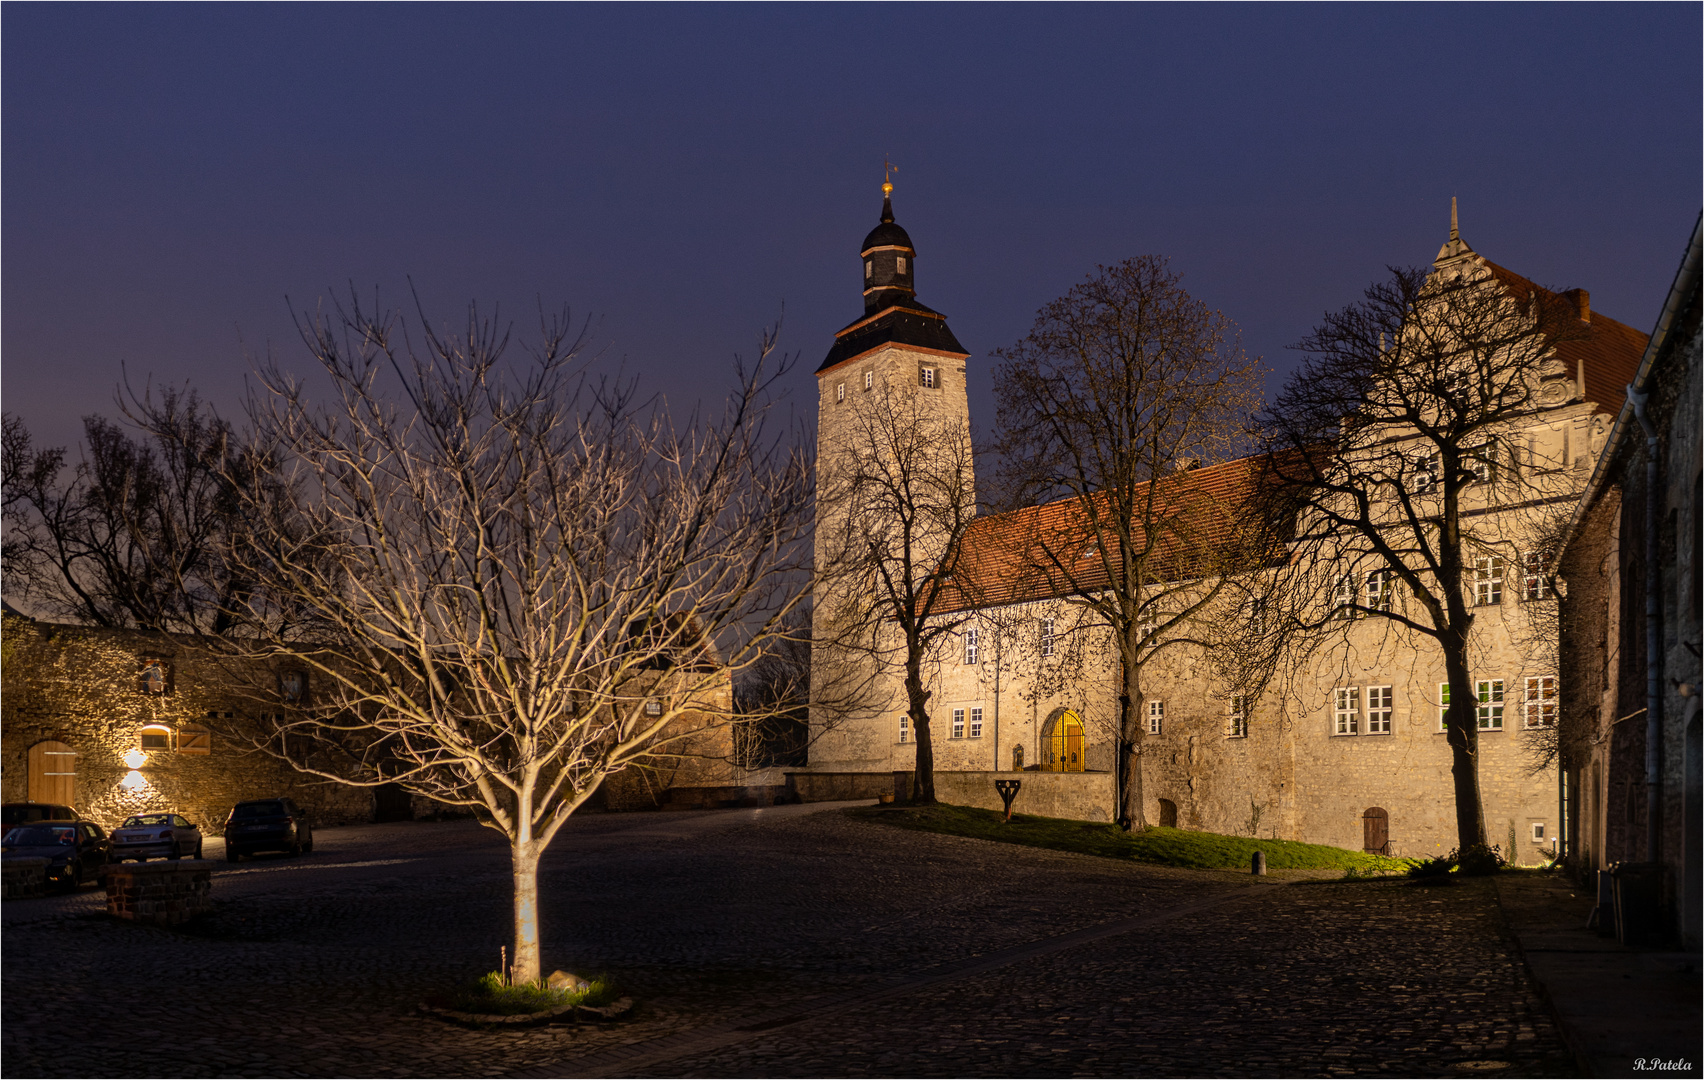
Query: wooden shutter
[[194, 740], [53, 773], [1375, 831]]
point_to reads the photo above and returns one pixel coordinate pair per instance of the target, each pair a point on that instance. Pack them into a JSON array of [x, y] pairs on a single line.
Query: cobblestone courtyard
[[780, 942]]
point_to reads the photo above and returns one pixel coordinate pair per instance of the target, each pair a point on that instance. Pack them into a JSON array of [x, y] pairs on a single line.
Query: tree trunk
[[526, 963], [1463, 737], [1131, 816], [917, 707]]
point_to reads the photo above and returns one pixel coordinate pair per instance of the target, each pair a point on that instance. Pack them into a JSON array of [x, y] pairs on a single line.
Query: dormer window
[[901, 265]]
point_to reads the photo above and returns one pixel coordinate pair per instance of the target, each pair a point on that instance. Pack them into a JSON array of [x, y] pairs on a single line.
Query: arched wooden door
[[1375, 831], [53, 773], [1062, 743]]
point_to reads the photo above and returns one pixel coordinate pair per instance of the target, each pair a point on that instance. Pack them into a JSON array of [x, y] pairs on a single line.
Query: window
[[1534, 584], [1378, 710], [1481, 461], [1148, 622], [1489, 695], [976, 721], [900, 264], [156, 737], [958, 723], [1343, 599], [1346, 710], [1488, 580], [1236, 726], [970, 643], [869, 269], [1381, 586], [1538, 832], [293, 686], [1539, 701], [194, 740], [869, 380], [905, 729], [1443, 706], [1425, 475], [155, 676], [927, 377], [840, 392], [1047, 637], [1156, 717], [653, 707]]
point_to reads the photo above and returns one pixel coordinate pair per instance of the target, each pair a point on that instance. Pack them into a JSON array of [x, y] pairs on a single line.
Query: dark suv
[[267, 825], [21, 813]]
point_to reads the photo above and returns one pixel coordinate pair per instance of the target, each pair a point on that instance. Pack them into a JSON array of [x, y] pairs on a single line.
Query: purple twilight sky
[[172, 173]]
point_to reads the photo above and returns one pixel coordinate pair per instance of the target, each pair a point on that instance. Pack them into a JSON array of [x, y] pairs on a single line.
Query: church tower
[[899, 358]]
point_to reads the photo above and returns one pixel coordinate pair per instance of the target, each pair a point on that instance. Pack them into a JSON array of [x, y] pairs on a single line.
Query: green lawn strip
[[489, 996], [1164, 846]]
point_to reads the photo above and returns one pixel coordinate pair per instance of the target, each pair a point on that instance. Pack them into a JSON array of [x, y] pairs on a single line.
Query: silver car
[[145, 836]]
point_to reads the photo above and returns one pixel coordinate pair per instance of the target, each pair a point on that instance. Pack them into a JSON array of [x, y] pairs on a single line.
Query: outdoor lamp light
[[132, 780], [134, 759]]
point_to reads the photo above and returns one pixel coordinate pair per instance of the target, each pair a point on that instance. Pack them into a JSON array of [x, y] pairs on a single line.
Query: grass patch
[[488, 995], [1159, 845]]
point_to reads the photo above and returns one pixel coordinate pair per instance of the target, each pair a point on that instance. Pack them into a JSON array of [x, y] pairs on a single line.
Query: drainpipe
[[998, 648], [1653, 639]]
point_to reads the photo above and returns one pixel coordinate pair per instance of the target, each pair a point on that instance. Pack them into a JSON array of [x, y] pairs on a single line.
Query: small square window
[[653, 707], [958, 723], [1346, 710], [156, 737], [194, 740], [1489, 695], [976, 721], [1538, 832], [869, 380], [927, 377], [1378, 710], [1156, 717], [1539, 703]]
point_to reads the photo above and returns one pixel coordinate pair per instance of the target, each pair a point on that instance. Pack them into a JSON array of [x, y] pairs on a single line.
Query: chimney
[[1582, 301]]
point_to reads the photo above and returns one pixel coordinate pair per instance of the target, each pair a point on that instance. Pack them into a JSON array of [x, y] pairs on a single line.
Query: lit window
[[970, 643], [901, 264], [1346, 710], [869, 269], [1343, 598], [156, 737], [1378, 710], [928, 377], [869, 380], [1425, 475], [1047, 637], [1443, 706], [1534, 584], [1236, 721], [840, 392], [1539, 702], [1489, 696], [958, 723], [1488, 580], [154, 678], [976, 721], [1381, 586], [1156, 717], [905, 729]]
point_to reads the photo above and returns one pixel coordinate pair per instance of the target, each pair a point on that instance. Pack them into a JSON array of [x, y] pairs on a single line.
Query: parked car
[[76, 851], [145, 836], [267, 825], [20, 813]]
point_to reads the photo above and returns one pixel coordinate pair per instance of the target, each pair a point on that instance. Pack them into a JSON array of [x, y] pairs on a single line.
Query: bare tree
[[1121, 387], [498, 584], [138, 533], [775, 693], [1401, 474], [898, 493]]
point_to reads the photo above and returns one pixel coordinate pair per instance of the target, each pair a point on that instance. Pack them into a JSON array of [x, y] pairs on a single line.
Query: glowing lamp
[[132, 780], [134, 759]]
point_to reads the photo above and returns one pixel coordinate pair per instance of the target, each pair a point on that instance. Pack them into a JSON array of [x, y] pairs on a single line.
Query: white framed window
[[1443, 706], [654, 707], [1236, 720], [869, 380], [905, 728], [1488, 693], [869, 269], [1346, 710], [971, 645], [1343, 596], [899, 264], [1147, 623], [1538, 832], [1488, 580], [958, 723], [976, 721], [1538, 703], [1534, 584], [1156, 717], [1379, 710], [1481, 461], [1047, 637], [1424, 476], [839, 392], [927, 376], [1381, 587]]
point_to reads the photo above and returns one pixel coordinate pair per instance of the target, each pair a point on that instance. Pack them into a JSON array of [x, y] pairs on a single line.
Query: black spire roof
[[892, 313]]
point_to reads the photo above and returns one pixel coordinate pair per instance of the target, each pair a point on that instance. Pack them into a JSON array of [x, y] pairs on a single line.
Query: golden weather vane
[[888, 169]]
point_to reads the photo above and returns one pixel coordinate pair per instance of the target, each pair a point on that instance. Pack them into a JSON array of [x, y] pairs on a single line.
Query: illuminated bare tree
[[1402, 477], [505, 582], [1122, 387]]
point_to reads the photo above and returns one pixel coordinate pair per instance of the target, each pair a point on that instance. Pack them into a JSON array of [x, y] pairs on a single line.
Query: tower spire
[[888, 169], [1455, 230]]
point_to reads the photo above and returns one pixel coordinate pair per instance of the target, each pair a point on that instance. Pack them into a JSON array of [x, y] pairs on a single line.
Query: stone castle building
[[1347, 749]]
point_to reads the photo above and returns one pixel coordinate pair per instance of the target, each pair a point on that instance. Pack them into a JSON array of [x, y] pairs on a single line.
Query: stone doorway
[[1168, 814], [1062, 742]]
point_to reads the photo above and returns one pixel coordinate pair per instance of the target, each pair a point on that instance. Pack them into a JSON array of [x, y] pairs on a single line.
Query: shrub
[[489, 995]]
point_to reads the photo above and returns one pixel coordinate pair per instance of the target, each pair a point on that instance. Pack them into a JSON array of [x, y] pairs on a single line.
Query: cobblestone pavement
[[777, 943]]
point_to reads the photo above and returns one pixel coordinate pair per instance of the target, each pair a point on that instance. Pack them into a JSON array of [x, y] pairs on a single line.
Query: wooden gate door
[[53, 773], [1375, 831]]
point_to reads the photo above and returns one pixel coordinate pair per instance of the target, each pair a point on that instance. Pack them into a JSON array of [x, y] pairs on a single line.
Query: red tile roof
[[1609, 352]]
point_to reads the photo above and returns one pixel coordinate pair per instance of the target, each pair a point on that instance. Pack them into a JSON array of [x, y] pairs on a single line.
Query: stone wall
[[1080, 796], [23, 877], [160, 893]]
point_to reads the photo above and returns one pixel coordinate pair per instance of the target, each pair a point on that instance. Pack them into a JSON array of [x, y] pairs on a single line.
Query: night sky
[[683, 174]]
